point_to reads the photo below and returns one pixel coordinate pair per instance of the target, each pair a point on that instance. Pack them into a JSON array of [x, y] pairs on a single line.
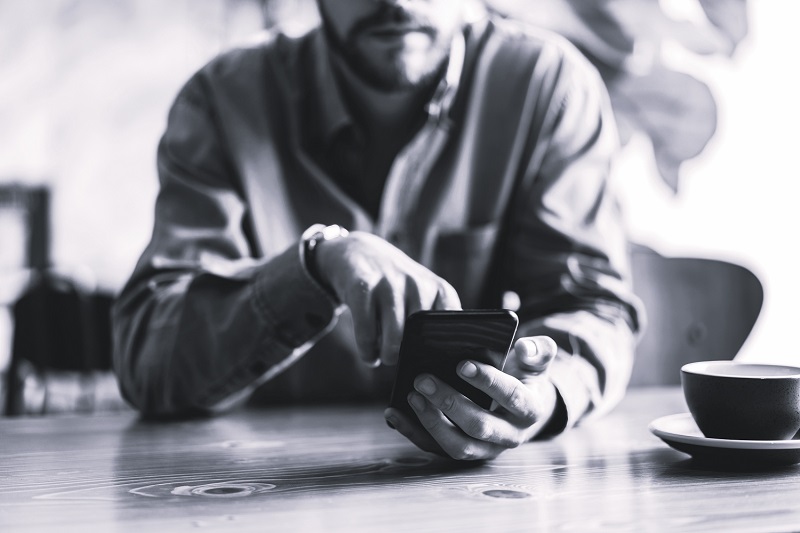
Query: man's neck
[[381, 110]]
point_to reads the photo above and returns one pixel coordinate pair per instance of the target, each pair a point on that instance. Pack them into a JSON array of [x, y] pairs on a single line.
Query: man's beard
[[398, 74]]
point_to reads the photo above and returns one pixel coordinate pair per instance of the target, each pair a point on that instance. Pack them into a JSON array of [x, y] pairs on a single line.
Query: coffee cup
[[743, 401]]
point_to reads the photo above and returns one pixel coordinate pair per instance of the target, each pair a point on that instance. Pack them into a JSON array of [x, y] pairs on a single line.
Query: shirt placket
[[414, 163]]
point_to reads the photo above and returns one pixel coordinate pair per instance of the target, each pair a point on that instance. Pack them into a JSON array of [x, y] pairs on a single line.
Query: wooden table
[[343, 469]]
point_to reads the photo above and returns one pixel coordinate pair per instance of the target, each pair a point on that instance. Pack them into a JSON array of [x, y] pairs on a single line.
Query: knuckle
[[518, 402], [487, 380], [480, 429], [529, 417], [447, 404], [431, 423], [359, 291]]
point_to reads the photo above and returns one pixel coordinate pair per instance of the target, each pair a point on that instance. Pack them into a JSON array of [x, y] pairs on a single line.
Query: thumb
[[535, 353]]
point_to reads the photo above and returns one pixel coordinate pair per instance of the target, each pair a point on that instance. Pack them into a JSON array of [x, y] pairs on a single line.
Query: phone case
[[435, 342]]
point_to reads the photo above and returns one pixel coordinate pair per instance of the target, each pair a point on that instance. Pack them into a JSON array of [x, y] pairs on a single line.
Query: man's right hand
[[381, 285]]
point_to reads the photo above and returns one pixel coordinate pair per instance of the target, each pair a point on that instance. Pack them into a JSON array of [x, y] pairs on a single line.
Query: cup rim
[[706, 368]]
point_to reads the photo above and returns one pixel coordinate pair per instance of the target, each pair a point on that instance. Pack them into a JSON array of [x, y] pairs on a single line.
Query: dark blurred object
[[24, 247], [61, 341], [624, 39], [697, 310], [61, 326]]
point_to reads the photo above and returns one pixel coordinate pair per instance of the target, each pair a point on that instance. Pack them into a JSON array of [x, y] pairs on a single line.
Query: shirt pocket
[[463, 257]]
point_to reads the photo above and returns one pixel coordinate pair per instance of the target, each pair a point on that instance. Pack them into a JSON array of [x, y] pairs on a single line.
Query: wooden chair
[[697, 309], [61, 339]]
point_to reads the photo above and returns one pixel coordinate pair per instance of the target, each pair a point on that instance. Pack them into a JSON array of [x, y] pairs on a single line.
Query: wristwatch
[[311, 238]]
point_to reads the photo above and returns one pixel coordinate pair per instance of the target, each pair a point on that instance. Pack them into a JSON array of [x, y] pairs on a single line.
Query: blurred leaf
[[588, 25], [599, 19], [645, 21], [730, 17], [623, 40], [677, 111]]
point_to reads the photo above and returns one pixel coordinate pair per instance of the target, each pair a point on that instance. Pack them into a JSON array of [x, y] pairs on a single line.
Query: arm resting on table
[[201, 321]]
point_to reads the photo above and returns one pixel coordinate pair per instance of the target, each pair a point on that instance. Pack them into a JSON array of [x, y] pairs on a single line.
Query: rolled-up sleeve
[[203, 319], [568, 247]]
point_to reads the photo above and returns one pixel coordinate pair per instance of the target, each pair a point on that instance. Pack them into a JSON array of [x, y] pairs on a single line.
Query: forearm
[[190, 341]]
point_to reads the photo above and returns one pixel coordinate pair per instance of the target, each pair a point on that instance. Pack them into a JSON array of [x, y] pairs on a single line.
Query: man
[[468, 160]]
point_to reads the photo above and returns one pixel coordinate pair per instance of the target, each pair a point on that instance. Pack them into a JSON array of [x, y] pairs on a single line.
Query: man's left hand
[[454, 426]]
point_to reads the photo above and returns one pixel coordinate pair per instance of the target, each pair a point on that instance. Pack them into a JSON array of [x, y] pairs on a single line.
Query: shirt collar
[[442, 101]]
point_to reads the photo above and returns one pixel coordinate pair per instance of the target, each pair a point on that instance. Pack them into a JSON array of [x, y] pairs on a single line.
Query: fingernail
[[416, 401], [469, 370], [391, 422], [425, 385], [528, 349], [529, 357], [536, 357]]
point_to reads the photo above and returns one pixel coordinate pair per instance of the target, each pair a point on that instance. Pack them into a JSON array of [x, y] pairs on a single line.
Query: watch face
[[309, 251], [332, 232]]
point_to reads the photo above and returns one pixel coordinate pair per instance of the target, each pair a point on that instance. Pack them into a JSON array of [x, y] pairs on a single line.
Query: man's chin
[[398, 80], [398, 73]]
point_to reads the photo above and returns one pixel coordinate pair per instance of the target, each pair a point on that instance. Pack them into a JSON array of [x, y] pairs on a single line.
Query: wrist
[[314, 240]]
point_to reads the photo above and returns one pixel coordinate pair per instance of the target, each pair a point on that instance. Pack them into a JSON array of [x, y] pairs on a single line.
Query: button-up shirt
[[503, 190]]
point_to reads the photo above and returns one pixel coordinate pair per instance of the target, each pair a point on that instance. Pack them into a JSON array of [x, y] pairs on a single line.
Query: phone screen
[[434, 342]]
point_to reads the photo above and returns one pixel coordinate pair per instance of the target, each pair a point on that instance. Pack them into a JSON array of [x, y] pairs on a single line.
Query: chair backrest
[[24, 226], [697, 309]]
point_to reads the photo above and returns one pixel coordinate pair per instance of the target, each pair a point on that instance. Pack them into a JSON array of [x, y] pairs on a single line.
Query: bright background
[[739, 199], [85, 86]]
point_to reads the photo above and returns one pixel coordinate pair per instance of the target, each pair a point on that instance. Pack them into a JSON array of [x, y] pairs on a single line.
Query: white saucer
[[681, 433]]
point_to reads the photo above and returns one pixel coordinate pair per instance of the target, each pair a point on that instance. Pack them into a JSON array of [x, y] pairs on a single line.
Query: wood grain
[[342, 469]]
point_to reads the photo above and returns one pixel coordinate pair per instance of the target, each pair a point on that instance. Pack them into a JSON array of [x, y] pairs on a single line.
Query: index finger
[[391, 312], [446, 297]]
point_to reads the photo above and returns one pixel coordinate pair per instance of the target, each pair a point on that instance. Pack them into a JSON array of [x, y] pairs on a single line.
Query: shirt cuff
[[291, 300], [566, 372], [591, 370]]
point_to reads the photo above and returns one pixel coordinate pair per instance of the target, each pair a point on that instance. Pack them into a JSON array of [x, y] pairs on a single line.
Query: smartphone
[[434, 342]]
